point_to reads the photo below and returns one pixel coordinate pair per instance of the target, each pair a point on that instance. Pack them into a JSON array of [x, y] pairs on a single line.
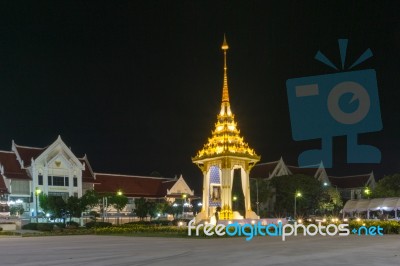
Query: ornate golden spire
[[225, 138], [225, 93]]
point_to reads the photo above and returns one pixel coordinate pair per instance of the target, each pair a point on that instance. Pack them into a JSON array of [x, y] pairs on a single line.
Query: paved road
[[110, 250]]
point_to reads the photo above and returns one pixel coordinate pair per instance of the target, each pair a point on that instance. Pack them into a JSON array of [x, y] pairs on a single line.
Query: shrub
[[60, 225], [389, 227], [72, 224], [30, 226], [97, 224], [1, 229], [45, 227]]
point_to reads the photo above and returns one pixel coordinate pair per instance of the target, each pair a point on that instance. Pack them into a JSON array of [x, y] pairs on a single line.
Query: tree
[[330, 200], [287, 186], [90, 199], [74, 207], [17, 209], [140, 208], [151, 208], [118, 201], [264, 193], [389, 186], [44, 202], [57, 206]]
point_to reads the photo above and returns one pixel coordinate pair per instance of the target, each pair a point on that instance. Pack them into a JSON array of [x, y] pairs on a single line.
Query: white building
[[56, 170]]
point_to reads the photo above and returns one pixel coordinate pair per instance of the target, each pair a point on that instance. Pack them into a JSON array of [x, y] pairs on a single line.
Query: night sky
[[137, 85]]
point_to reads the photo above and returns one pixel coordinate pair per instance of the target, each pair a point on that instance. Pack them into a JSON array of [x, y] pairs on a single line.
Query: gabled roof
[[3, 187], [310, 171], [26, 153], [263, 170], [354, 181], [11, 167], [87, 174], [132, 186]]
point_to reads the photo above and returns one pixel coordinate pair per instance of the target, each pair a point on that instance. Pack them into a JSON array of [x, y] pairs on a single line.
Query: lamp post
[[257, 202], [234, 202], [296, 195], [119, 193], [37, 192], [105, 204], [183, 203]]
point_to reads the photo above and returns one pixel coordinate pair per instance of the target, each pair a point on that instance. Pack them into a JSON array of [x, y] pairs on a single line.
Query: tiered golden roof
[[225, 139]]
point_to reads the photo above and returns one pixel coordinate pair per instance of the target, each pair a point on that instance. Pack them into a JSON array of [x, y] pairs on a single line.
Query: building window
[[50, 180], [75, 182], [58, 181], [66, 181], [40, 180], [75, 194]]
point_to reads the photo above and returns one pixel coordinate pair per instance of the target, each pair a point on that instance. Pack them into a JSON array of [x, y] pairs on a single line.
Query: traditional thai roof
[[354, 181], [263, 170], [310, 171], [225, 138], [3, 187], [26, 153], [88, 175], [10, 166], [133, 186]]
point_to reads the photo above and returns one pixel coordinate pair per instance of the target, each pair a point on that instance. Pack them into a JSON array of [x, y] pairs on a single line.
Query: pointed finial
[[225, 44], [225, 93]]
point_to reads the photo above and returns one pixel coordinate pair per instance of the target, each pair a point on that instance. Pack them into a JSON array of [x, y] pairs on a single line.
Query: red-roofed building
[[55, 170], [352, 187]]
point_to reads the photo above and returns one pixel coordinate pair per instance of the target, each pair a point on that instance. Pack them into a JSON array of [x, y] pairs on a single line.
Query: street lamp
[[367, 191], [119, 193], [183, 203], [37, 192], [296, 195], [257, 202]]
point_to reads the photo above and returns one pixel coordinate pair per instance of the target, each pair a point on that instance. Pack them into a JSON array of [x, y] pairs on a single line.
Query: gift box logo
[[340, 104]]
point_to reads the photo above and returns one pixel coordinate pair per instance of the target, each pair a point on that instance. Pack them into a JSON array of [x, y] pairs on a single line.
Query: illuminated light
[[199, 204], [47, 215], [298, 194], [363, 224], [279, 221], [345, 220], [174, 205], [253, 222], [158, 214], [358, 219], [300, 221], [309, 220], [230, 222], [325, 184], [180, 223], [324, 220]]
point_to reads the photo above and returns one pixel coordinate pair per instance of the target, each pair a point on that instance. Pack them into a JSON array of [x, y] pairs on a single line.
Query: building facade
[[56, 171]]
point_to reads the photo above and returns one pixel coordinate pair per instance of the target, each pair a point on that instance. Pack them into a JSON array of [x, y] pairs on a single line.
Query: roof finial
[[225, 94]]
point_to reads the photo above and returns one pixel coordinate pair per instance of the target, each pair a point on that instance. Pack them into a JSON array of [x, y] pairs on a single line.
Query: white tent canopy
[[361, 205]]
